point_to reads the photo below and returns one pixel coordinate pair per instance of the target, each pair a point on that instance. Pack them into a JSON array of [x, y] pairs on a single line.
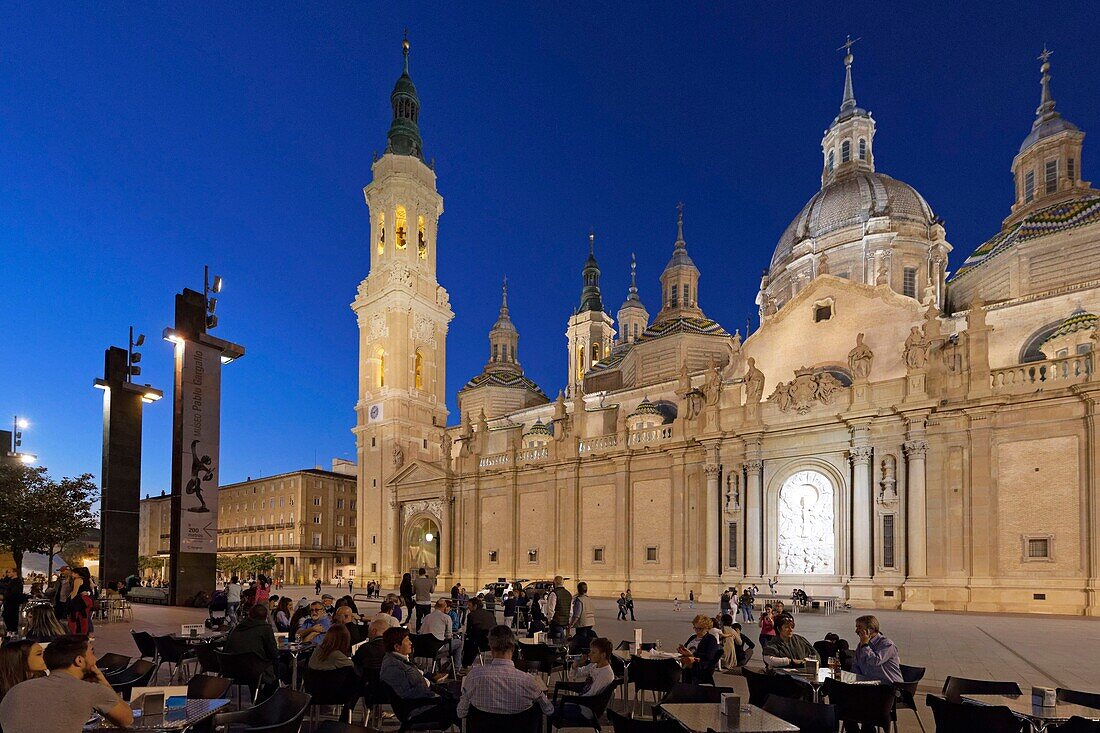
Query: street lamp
[[18, 425]]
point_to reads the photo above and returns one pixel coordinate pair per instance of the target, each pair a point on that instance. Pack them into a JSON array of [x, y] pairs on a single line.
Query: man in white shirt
[[385, 613], [233, 598], [439, 624], [588, 681]]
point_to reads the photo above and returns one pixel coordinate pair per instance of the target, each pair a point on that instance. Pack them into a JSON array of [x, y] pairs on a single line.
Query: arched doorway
[[806, 539], [422, 544]]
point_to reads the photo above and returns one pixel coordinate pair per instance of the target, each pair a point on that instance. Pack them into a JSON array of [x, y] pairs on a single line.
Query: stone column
[[754, 513], [713, 514], [916, 520], [395, 539], [445, 539], [861, 517]]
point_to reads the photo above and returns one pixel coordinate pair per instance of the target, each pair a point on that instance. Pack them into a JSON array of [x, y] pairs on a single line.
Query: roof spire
[[849, 101], [680, 225], [633, 275], [590, 275], [404, 134], [592, 242], [1046, 102], [504, 298], [405, 50]]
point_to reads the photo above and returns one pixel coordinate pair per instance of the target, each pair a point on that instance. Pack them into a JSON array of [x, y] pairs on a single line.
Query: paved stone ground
[[1050, 651]]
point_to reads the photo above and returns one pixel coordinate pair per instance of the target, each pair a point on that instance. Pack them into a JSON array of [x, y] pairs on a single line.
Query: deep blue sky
[[139, 141]]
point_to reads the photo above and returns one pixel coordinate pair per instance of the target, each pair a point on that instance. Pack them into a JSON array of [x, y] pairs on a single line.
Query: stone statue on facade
[[467, 437], [782, 396], [445, 447], [398, 457], [754, 382], [807, 388], [823, 264], [916, 349], [712, 387], [888, 494], [735, 363], [860, 358], [827, 387], [733, 490]]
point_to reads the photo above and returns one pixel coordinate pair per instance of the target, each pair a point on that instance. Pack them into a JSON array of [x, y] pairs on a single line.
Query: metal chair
[[111, 663], [764, 684], [426, 646], [207, 656], [280, 713], [174, 652], [245, 669], [1076, 697], [959, 717], [332, 687], [543, 657], [137, 674], [866, 704], [208, 687], [810, 717], [955, 687], [653, 675], [529, 721], [416, 715], [907, 693], [147, 648], [590, 708], [825, 649], [1077, 724], [333, 726]]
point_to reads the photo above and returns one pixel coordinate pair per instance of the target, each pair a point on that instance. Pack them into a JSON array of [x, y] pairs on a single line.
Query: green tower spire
[[590, 294], [404, 135]]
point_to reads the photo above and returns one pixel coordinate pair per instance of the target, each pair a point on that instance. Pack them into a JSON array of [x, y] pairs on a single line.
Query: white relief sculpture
[[378, 328], [806, 534], [424, 330]]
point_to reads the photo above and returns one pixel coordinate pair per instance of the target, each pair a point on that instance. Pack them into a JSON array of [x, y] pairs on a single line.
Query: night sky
[[140, 141]]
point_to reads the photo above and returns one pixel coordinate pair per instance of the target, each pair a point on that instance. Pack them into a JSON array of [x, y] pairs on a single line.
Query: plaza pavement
[[1048, 651]]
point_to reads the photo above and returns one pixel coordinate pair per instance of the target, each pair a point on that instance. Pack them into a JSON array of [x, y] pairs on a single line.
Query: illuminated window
[[418, 371], [595, 351], [401, 228], [381, 368], [381, 234], [845, 151], [421, 239], [580, 362]]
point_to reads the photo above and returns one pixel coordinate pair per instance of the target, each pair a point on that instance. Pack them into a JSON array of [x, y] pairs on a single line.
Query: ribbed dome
[[849, 201]]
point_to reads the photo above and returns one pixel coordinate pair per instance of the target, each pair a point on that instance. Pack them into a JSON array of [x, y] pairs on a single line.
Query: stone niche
[[806, 541]]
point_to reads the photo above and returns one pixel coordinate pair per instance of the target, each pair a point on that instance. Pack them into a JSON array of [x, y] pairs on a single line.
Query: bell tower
[[403, 315], [591, 332]]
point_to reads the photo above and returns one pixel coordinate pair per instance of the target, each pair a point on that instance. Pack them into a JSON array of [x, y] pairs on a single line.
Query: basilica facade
[[893, 434]]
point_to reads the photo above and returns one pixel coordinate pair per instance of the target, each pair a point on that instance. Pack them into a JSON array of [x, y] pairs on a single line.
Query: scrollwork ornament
[[860, 455], [915, 448]]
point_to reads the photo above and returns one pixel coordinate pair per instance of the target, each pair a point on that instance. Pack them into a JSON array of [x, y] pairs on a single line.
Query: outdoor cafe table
[[1039, 716], [824, 673], [701, 717], [294, 649], [194, 712]]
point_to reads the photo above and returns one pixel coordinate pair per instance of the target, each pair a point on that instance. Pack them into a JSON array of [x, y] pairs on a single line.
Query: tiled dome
[[848, 201]]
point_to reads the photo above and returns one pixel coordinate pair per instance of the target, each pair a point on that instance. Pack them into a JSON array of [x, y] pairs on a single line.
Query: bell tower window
[[909, 282], [381, 234], [421, 239], [1071, 170], [401, 227], [1029, 186], [846, 151], [832, 159], [381, 381], [580, 362], [862, 149], [1051, 177], [595, 351], [418, 370]]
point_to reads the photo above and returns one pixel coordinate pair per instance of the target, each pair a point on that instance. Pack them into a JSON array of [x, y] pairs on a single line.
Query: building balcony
[[1039, 375]]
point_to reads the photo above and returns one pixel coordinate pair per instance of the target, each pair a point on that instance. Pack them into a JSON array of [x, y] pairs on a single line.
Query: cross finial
[[680, 221], [592, 241], [848, 43], [1046, 54]]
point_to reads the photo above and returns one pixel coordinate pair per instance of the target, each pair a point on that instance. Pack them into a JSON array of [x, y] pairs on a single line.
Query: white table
[[701, 717]]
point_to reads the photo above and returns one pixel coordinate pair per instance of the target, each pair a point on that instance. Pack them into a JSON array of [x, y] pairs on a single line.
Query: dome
[[848, 201], [1047, 128]]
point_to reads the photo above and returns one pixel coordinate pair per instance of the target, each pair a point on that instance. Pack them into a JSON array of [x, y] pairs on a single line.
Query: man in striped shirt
[[498, 687]]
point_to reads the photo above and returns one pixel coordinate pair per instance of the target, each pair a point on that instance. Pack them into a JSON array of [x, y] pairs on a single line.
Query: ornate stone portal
[[806, 534]]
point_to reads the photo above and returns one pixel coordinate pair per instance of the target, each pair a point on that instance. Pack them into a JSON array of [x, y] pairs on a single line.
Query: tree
[[18, 486]]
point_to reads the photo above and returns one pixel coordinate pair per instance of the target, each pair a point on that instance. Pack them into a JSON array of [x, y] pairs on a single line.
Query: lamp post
[[121, 477], [12, 454], [196, 437]]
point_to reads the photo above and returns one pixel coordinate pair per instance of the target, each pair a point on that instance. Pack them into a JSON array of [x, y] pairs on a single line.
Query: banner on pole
[[200, 388]]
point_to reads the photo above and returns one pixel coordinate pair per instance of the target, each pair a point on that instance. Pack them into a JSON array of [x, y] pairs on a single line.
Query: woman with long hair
[[42, 623], [81, 601], [300, 614], [406, 591], [20, 661], [263, 588], [335, 650], [283, 613]]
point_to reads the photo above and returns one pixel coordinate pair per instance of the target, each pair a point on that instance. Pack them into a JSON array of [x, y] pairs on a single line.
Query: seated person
[[432, 703], [440, 625], [368, 657], [42, 624], [786, 648], [386, 613], [537, 621], [63, 701], [479, 622], [254, 635], [700, 653], [344, 615], [876, 656], [20, 661], [743, 646], [498, 687], [334, 652], [314, 629], [594, 677]]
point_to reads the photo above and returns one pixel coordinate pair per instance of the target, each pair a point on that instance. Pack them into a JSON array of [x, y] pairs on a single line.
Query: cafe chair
[[682, 692], [280, 713], [1076, 697], [426, 646], [955, 687], [332, 726], [529, 721], [1077, 724], [332, 687], [653, 675], [207, 687], [618, 666], [137, 674], [476, 643], [544, 657], [422, 714], [866, 704], [173, 652], [622, 724], [245, 670], [907, 693], [111, 663], [810, 717], [765, 684], [590, 708], [147, 648], [960, 717], [207, 656], [825, 649]]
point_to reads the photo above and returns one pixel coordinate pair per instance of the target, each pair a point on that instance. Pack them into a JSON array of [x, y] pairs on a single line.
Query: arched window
[[687, 294], [421, 238], [580, 363], [832, 159], [595, 351], [381, 381], [673, 298], [496, 351], [845, 151], [418, 371], [862, 149], [401, 227], [381, 234]]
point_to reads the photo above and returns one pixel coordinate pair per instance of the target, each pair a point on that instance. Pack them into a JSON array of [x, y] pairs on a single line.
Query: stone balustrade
[[602, 443], [645, 436], [531, 455], [1051, 373], [495, 460]]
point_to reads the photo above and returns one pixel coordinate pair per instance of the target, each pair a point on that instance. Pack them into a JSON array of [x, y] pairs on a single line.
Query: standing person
[[350, 586], [81, 602], [509, 610], [622, 607], [724, 603], [12, 588], [767, 627], [559, 608], [422, 589], [233, 598], [691, 599], [74, 688], [61, 591], [746, 603], [876, 656], [676, 603], [454, 591], [582, 620], [406, 592], [630, 604], [317, 586], [263, 589]]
